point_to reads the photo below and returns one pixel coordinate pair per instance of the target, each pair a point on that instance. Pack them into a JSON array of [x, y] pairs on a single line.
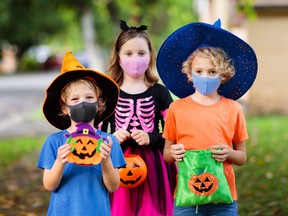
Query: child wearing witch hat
[[208, 68], [76, 101]]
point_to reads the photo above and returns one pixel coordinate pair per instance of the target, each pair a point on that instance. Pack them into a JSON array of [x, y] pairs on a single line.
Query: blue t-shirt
[[81, 190]]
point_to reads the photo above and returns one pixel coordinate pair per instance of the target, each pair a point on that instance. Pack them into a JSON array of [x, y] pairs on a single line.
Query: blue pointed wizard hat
[[181, 43]]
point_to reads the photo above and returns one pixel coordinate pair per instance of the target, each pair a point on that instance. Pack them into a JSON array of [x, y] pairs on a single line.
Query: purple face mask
[[135, 66]]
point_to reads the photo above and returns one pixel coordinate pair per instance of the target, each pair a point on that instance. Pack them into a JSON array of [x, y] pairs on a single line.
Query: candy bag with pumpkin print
[[201, 180]]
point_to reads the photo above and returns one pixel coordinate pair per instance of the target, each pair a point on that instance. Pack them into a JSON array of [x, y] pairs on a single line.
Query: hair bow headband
[[124, 27]]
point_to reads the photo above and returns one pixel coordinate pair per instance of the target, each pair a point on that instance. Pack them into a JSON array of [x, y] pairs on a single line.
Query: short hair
[[219, 58], [92, 84]]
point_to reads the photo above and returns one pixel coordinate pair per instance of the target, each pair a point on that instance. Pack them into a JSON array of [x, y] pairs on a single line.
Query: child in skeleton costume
[[142, 106], [76, 101]]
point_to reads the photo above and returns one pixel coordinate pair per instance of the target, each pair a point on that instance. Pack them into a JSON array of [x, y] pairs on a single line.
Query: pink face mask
[[135, 66]]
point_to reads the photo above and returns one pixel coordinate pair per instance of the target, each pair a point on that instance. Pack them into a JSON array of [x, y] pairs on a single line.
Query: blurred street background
[[34, 35], [21, 104]]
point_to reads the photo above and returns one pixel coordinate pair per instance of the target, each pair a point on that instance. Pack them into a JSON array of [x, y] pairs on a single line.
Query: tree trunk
[[92, 49]]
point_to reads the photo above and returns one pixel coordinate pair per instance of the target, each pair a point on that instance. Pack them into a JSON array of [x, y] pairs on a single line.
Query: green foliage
[[28, 64], [25, 23], [58, 22], [68, 38], [262, 182], [136, 12], [247, 7], [15, 148]]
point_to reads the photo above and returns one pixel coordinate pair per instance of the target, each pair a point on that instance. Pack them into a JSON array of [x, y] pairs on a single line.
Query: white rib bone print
[[138, 116]]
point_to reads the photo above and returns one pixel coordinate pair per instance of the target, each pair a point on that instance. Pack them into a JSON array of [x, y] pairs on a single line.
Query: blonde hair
[[219, 58], [115, 71], [92, 84]]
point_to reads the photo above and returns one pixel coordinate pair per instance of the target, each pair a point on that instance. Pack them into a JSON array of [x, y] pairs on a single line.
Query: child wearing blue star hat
[[220, 68]]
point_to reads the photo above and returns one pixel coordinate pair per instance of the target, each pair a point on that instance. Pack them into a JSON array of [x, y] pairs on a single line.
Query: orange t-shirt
[[198, 127]]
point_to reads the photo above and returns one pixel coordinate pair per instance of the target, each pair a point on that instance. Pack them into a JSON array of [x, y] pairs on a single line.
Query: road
[[21, 98]]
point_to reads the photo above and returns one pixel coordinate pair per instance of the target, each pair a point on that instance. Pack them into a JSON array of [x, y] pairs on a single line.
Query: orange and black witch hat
[[71, 70]]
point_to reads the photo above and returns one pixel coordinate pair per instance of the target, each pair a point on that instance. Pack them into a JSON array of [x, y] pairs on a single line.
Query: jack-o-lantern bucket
[[85, 145], [134, 173]]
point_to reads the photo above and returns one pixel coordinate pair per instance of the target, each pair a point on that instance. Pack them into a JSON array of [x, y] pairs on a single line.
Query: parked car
[[53, 62]]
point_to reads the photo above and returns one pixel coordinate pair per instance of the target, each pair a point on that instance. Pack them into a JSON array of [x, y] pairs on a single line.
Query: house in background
[[268, 35]]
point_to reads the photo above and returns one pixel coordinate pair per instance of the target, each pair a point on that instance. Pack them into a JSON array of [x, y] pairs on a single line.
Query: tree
[[68, 24], [28, 22]]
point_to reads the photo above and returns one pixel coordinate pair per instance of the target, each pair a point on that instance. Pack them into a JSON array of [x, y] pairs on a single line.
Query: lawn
[[262, 183], [14, 148]]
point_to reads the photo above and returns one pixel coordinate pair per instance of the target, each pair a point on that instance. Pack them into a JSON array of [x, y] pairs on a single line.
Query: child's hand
[[141, 137], [62, 153], [121, 135], [105, 149], [177, 151], [220, 152]]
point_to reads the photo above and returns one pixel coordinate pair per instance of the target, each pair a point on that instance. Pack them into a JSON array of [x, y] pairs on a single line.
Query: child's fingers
[[105, 148], [178, 157], [177, 151], [103, 151], [64, 148], [63, 152], [122, 135], [110, 142], [220, 154]]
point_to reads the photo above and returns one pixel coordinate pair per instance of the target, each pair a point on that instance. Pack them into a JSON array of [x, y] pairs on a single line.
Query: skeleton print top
[[145, 111]]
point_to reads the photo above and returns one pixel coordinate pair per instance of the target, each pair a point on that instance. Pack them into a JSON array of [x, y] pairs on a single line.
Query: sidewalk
[[21, 104]]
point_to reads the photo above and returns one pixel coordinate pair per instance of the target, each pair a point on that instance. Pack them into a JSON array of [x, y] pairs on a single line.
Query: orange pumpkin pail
[[134, 173]]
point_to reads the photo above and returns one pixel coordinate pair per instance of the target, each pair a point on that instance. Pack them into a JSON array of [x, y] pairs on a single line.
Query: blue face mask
[[206, 85]]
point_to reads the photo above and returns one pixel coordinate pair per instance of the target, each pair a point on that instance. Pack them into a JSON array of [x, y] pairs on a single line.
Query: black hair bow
[[124, 27]]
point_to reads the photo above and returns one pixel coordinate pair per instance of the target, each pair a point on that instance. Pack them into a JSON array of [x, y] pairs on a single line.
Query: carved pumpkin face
[[85, 151], [204, 184], [85, 144], [134, 173]]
